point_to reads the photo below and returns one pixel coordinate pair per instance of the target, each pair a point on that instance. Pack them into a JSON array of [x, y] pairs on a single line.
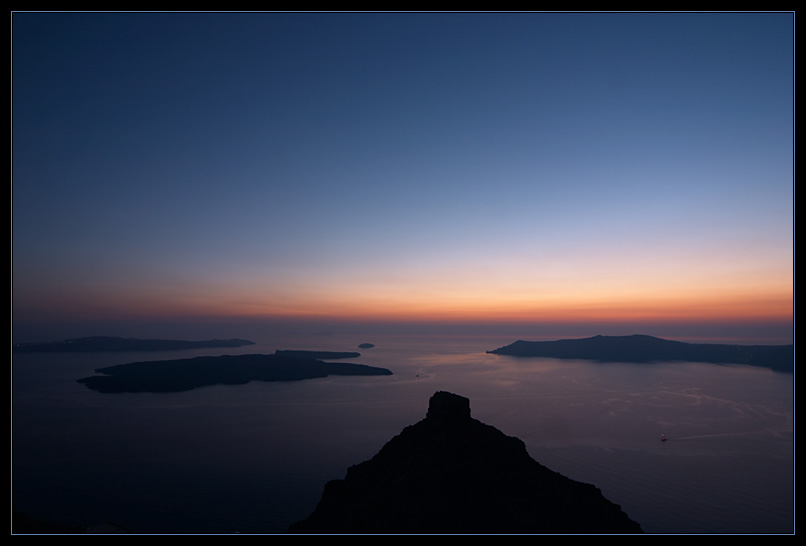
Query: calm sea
[[254, 458]]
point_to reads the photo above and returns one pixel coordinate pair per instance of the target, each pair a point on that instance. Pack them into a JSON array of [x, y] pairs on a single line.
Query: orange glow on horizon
[[420, 299], [420, 307]]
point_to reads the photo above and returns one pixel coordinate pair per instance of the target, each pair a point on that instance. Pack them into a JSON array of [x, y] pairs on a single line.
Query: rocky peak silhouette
[[452, 474], [448, 407]]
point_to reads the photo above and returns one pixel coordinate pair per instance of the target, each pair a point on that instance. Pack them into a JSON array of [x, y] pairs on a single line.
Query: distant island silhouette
[[191, 373], [106, 343], [452, 474], [643, 348], [366, 346], [320, 355]]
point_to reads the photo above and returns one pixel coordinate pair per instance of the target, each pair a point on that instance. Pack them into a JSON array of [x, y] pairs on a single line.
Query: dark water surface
[[254, 458]]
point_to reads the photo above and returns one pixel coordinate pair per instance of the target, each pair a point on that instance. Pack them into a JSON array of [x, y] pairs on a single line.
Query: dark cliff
[[451, 473]]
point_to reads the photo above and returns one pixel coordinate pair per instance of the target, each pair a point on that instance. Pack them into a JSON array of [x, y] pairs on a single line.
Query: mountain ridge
[[452, 474]]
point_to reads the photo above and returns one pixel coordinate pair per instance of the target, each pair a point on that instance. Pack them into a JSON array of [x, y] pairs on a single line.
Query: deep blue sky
[[503, 166]]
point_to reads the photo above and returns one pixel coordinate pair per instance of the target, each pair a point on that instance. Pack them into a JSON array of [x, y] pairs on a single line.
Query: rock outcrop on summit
[[452, 474]]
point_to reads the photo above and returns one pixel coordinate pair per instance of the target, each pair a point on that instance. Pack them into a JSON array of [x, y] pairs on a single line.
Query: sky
[[617, 171]]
